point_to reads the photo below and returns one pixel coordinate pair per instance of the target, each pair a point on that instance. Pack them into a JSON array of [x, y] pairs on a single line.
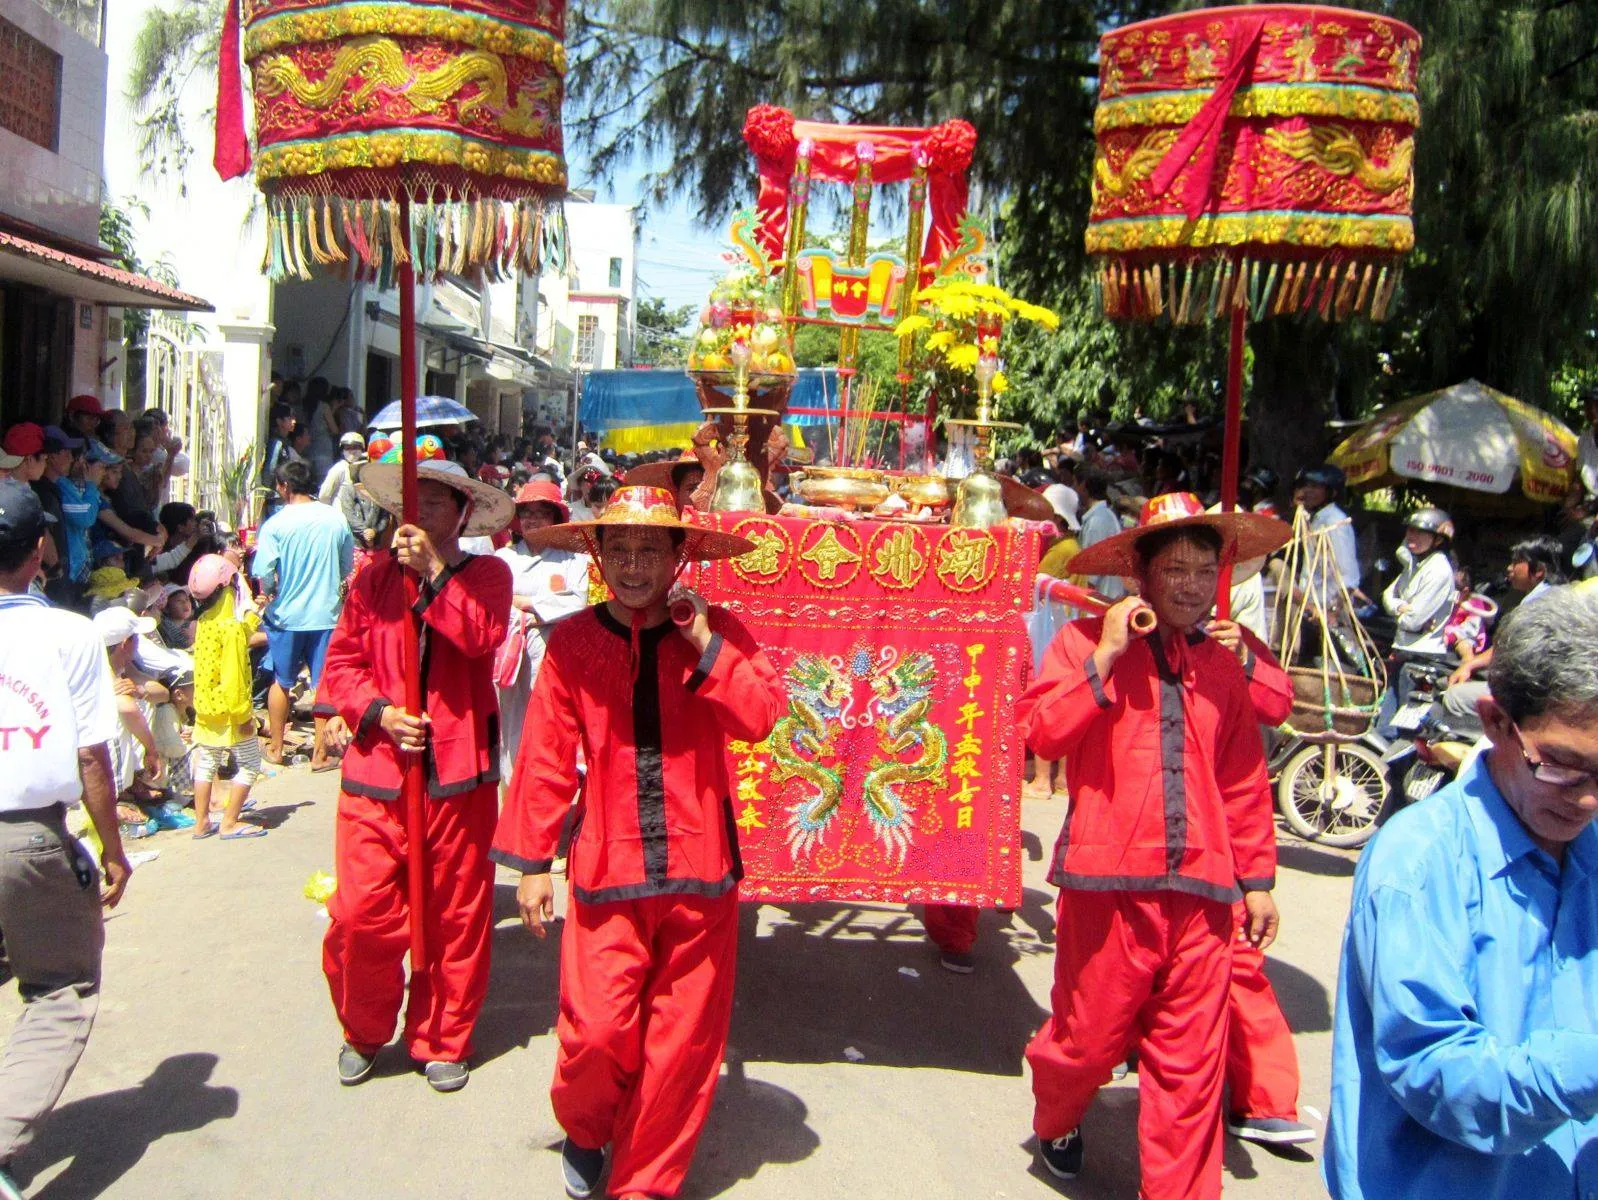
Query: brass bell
[[738, 488], [979, 502]]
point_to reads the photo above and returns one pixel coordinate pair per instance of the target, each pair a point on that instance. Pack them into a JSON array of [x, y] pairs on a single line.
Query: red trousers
[[1261, 1063], [368, 938], [645, 1001], [953, 927], [1149, 968]]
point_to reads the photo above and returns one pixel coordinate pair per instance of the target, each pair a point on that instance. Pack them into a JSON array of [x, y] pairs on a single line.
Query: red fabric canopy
[[835, 153]]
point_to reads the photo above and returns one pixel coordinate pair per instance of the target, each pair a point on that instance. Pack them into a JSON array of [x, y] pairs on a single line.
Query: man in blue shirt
[[303, 556], [1465, 1056]]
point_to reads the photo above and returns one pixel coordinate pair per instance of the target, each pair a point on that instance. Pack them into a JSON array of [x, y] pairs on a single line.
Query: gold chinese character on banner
[[770, 558], [967, 559], [829, 556], [898, 557]]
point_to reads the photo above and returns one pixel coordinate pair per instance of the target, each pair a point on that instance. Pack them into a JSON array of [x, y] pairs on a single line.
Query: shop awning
[[83, 279]]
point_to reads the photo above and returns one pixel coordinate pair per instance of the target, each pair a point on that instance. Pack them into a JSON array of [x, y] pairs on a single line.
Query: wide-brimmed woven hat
[[491, 508], [664, 474], [641, 508], [1244, 535]]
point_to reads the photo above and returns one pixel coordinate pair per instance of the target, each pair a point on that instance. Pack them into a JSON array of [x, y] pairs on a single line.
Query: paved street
[[858, 1066]]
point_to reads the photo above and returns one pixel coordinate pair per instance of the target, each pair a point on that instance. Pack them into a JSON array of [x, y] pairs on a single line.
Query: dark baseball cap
[[56, 438], [22, 518]]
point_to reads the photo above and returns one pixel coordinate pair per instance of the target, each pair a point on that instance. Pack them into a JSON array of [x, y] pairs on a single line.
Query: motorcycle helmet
[[1264, 480], [1326, 476], [1433, 521], [211, 572]]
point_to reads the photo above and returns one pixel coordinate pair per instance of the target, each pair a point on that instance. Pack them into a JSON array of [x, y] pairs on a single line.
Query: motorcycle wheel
[[1341, 807]]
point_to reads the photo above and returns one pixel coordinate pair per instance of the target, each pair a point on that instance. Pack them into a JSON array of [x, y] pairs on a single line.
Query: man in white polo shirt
[[58, 715]]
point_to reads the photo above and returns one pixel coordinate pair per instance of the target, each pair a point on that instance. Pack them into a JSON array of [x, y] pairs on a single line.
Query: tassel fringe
[[331, 234], [1185, 293]]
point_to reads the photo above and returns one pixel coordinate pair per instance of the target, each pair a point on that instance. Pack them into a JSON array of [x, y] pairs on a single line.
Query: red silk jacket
[[655, 816], [1165, 765], [463, 619], [1270, 688]]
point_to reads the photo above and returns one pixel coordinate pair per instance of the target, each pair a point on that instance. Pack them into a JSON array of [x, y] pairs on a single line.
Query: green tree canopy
[[662, 333]]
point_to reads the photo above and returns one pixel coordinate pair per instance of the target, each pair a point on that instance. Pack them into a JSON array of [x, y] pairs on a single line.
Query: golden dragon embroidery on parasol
[[1139, 165], [378, 64], [903, 692], [1335, 149], [818, 691]]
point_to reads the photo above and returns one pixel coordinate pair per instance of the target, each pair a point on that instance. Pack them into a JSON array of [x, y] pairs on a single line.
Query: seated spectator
[[1463, 1056], [1536, 566], [174, 613], [22, 453], [133, 751]]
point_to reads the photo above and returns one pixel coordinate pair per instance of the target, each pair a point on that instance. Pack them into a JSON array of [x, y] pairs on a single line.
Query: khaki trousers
[[50, 917]]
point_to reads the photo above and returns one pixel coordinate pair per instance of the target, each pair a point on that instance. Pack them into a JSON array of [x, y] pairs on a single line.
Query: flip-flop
[[327, 766], [210, 831], [244, 831]]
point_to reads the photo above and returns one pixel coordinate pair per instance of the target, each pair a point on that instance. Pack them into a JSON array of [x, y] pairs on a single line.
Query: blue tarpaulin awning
[[626, 402]]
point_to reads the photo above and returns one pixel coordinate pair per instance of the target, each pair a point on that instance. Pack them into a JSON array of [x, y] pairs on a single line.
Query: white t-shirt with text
[[55, 697]]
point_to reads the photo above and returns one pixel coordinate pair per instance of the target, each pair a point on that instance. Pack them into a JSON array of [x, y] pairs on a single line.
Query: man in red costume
[[1261, 1062], [1170, 821], [462, 605], [651, 936]]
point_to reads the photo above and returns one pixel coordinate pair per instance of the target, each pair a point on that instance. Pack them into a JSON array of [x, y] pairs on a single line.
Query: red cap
[[24, 440], [86, 404], [541, 491]]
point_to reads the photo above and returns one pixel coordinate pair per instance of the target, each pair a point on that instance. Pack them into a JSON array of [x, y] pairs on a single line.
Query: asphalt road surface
[[857, 1066]]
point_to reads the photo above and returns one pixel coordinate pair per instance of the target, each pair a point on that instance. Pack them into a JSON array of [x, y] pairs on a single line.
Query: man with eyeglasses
[[1465, 1051]]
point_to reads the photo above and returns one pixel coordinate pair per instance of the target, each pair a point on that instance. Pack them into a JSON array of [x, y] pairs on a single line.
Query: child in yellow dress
[[224, 718]]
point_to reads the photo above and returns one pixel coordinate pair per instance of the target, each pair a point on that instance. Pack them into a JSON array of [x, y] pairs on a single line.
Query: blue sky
[[678, 259]]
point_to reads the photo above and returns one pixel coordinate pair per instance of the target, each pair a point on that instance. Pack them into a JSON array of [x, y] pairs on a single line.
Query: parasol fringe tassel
[[462, 238], [268, 265], [446, 237], [1345, 292], [1182, 307], [396, 234], [328, 237], [323, 259], [1211, 304], [296, 249]]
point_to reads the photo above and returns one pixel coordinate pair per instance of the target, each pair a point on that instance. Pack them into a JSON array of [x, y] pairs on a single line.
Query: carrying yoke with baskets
[[1339, 675]]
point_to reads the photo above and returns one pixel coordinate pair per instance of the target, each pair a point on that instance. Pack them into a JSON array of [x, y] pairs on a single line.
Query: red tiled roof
[[84, 279]]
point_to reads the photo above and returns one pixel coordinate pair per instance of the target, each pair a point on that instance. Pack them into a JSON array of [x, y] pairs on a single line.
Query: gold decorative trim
[[1351, 103], [1394, 234], [383, 151], [403, 20]]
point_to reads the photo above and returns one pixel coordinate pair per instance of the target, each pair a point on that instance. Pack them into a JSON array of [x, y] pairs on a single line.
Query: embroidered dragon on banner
[[821, 692]]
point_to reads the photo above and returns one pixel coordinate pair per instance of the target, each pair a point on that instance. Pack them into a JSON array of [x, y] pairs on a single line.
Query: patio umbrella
[[430, 410], [1253, 161], [1466, 436]]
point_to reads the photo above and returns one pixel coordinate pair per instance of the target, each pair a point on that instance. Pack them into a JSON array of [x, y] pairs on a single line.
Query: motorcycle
[[1337, 792], [1334, 793], [1440, 747]]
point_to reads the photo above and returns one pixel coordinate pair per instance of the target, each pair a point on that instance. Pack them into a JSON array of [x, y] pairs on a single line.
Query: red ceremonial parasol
[[397, 141], [1253, 161]]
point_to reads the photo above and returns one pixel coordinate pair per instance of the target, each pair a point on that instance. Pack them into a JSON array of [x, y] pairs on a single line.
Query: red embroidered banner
[[895, 775]]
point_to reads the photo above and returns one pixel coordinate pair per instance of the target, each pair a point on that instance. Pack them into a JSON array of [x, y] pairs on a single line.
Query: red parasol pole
[[1230, 447], [415, 781]]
